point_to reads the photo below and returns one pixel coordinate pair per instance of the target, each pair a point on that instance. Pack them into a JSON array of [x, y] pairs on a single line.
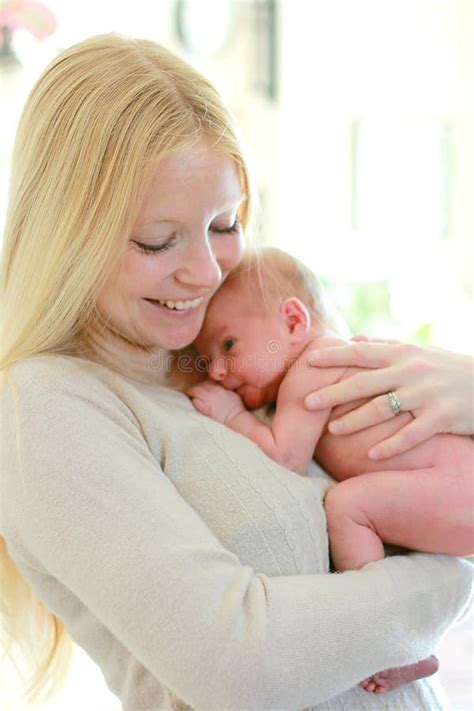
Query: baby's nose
[[217, 369]]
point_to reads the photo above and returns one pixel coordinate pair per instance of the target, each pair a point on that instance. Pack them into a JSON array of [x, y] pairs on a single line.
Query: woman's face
[[186, 239]]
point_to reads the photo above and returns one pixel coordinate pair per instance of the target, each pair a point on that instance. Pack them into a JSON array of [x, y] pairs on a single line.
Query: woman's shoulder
[[51, 371], [49, 395], [56, 381], [61, 381]]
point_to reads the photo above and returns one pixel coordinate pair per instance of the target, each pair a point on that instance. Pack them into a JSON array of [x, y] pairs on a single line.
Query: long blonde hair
[[99, 118]]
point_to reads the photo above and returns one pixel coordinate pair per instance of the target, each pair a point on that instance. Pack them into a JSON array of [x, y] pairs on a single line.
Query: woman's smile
[[179, 305], [176, 309]]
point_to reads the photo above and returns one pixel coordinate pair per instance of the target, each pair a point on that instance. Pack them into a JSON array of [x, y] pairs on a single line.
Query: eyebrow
[[234, 203]]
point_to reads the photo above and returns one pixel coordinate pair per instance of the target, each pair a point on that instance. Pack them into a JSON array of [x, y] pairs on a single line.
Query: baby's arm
[[296, 434], [226, 406], [294, 431]]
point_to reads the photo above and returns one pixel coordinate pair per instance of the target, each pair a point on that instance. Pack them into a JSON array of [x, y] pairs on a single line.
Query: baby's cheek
[[201, 343]]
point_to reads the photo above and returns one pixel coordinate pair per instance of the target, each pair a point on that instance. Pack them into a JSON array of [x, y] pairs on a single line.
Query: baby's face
[[247, 351]]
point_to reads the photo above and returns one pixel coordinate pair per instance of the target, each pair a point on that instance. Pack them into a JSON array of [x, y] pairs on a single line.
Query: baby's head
[[263, 316]]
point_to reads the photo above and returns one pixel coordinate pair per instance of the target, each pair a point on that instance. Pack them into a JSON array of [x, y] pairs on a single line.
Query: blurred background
[[358, 120]]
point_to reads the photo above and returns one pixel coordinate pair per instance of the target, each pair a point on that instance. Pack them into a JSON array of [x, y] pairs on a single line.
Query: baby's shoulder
[[299, 364], [300, 373], [325, 341]]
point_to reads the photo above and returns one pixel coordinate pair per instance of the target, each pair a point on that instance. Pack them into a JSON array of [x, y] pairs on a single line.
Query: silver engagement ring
[[394, 403]]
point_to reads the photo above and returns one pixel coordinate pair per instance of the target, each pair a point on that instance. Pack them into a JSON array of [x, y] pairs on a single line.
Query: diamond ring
[[394, 403]]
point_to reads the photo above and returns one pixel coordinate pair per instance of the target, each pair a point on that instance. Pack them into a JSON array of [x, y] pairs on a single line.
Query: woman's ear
[[296, 317]]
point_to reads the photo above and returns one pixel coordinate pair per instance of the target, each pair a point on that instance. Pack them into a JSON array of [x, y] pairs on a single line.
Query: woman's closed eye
[[159, 248], [155, 248], [226, 229]]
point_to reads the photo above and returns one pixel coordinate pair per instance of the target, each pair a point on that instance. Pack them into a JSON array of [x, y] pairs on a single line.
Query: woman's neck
[[132, 361]]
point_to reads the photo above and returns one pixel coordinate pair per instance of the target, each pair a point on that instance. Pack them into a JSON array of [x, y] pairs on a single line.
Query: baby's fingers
[[195, 391], [207, 386], [412, 434], [201, 406]]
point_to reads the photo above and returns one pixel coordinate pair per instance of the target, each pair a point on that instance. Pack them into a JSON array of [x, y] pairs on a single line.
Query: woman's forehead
[[204, 179]]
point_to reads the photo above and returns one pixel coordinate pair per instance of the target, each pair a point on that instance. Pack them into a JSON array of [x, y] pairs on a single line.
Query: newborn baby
[[260, 326]]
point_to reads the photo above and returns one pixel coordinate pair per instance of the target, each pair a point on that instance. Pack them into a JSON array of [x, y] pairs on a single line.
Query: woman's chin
[[177, 341], [174, 331]]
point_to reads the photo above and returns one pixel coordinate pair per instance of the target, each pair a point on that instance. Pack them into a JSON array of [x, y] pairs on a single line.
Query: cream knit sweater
[[190, 566]]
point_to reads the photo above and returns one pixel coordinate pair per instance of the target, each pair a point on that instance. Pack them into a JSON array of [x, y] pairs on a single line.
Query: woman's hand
[[435, 385], [215, 401]]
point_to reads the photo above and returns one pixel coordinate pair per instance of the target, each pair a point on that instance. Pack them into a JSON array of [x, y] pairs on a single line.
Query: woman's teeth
[[180, 305]]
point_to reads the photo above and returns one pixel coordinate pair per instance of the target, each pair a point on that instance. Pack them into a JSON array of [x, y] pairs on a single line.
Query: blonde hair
[[99, 118]]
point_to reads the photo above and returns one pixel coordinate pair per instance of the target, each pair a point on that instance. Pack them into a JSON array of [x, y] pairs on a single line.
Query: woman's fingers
[[353, 388], [364, 354], [412, 434], [368, 339], [373, 412], [435, 385]]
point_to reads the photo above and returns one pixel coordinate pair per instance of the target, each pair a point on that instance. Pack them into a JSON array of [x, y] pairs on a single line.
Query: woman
[[187, 564]]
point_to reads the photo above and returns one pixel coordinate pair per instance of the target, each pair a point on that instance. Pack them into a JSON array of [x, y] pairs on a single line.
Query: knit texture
[[192, 568]]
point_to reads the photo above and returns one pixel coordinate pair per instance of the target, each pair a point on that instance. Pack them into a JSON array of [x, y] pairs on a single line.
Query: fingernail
[[336, 426], [312, 401], [373, 453]]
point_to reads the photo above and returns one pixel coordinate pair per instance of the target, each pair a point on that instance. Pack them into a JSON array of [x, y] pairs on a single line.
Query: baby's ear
[[296, 317]]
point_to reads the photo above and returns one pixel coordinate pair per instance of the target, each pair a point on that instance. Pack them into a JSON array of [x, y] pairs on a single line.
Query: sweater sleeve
[[84, 501]]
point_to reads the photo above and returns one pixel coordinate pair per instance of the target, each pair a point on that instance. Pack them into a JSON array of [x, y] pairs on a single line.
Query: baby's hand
[[215, 401]]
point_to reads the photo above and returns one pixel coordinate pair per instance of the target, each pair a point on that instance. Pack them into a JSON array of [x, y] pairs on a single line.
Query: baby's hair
[[271, 275]]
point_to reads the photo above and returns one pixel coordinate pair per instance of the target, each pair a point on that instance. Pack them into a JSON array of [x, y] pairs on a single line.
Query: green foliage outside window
[[366, 310]]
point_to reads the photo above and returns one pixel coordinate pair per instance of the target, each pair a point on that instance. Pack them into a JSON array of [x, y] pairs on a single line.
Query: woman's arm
[[435, 385], [90, 506]]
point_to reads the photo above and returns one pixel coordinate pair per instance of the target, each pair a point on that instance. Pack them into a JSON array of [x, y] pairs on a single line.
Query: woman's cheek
[[232, 253], [146, 270]]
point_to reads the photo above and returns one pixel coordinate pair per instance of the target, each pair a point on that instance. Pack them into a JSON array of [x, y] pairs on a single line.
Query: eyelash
[[148, 249], [227, 230]]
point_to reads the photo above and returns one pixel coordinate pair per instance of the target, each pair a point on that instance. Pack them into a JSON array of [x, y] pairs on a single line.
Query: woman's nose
[[200, 267]]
